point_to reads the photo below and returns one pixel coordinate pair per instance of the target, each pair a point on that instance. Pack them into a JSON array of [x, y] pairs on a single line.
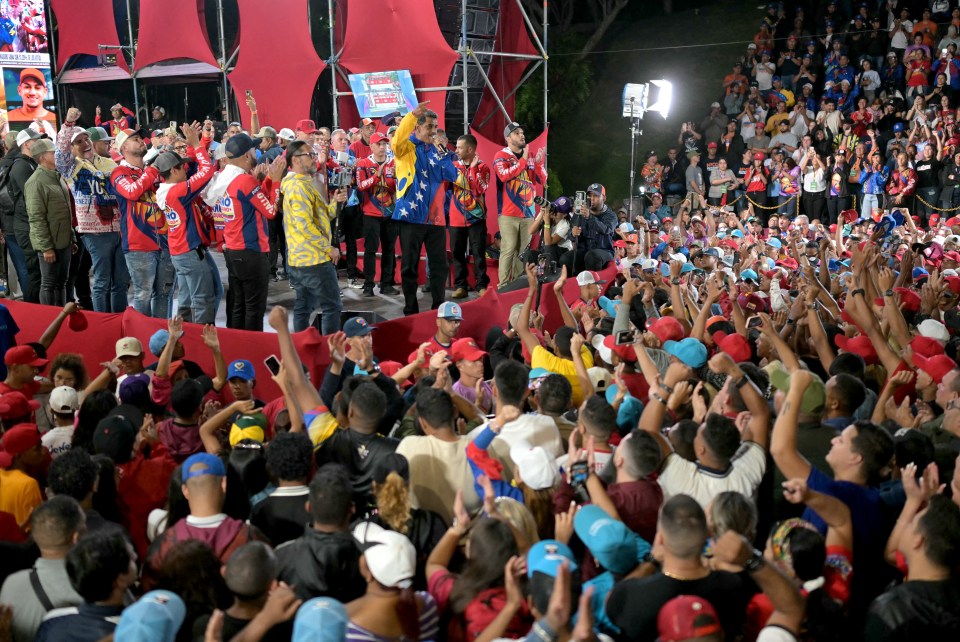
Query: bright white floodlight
[[636, 98]]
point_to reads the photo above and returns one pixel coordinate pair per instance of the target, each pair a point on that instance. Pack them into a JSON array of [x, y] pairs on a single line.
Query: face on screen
[[33, 92]]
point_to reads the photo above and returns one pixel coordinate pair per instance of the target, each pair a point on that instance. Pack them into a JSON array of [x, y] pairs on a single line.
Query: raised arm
[[212, 341], [831, 510], [523, 321], [568, 319], [783, 446], [174, 330], [787, 355], [759, 426]]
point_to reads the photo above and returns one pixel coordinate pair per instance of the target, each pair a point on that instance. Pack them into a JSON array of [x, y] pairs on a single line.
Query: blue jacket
[[873, 182]]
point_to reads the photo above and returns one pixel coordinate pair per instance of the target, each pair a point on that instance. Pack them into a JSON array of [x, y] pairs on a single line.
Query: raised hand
[[210, 337], [559, 283]]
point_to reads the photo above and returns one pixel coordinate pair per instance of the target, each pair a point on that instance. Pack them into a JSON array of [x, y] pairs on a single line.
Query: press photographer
[[592, 229], [554, 218]]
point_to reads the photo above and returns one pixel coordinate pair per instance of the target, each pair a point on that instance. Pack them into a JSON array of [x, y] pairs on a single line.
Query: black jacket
[[322, 564], [6, 196], [20, 172]]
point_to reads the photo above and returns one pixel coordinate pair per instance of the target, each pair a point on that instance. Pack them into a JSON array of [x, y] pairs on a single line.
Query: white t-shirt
[[899, 39], [765, 75], [813, 181], [438, 469], [532, 428], [57, 440], [562, 229], [683, 477]]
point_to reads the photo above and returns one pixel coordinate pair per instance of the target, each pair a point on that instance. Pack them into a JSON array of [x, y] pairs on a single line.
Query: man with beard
[[246, 205], [422, 170], [516, 174], [83, 158], [363, 147], [311, 255], [142, 227], [594, 226], [377, 185], [467, 217]]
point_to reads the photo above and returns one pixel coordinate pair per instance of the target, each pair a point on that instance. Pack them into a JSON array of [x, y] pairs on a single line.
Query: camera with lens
[[342, 174]]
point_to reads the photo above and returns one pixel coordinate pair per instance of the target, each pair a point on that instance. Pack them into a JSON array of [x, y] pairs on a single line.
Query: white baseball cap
[[286, 134], [649, 264], [935, 330], [605, 353], [587, 277], [390, 556], [534, 466], [64, 399]]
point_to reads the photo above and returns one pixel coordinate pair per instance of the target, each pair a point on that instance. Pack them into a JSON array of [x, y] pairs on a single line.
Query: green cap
[[98, 133], [814, 397]]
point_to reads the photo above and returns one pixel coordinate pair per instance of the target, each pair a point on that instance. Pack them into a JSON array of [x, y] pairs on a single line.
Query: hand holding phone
[[273, 364]]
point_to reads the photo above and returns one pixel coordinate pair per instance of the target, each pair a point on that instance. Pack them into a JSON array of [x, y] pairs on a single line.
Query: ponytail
[[393, 502], [407, 612]]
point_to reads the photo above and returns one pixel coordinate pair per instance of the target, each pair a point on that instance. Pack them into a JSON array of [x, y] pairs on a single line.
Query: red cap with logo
[[378, 137], [909, 300], [306, 125], [465, 349], [23, 356], [687, 617]]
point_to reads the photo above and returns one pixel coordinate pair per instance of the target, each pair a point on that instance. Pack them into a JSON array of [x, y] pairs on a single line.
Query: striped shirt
[[429, 625]]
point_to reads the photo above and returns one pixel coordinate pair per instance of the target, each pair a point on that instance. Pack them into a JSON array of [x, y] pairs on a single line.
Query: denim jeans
[[870, 202], [110, 277], [53, 278], [152, 276], [317, 288], [217, 282], [18, 260], [30, 286], [195, 284]]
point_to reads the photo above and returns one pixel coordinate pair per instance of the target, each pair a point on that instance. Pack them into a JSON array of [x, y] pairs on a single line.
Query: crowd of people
[[746, 425]]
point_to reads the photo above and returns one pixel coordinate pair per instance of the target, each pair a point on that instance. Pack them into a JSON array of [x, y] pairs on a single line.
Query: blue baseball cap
[[357, 327], [240, 144], [712, 251], [689, 351], [537, 373], [449, 310], [202, 464], [322, 619], [611, 543], [919, 274], [775, 242], [657, 251], [898, 127], [749, 275], [546, 556], [687, 267], [155, 617], [158, 342], [737, 234], [241, 369]]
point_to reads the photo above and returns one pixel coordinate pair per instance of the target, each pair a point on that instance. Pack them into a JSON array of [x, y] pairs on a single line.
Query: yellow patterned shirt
[[306, 221]]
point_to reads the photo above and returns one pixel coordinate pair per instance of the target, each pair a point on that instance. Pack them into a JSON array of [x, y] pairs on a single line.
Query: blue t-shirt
[[8, 334]]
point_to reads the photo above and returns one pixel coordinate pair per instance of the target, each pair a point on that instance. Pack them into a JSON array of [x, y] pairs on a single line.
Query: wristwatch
[[755, 562], [675, 281], [888, 293]]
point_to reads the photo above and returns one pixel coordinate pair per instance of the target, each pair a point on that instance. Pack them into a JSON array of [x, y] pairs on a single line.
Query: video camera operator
[[593, 228], [557, 233], [340, 173]]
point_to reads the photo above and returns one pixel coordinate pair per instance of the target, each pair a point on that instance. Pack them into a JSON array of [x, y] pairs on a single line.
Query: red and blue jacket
[[378, 194], [245, 208], [422, 174], [143, 227], [187, 226], [466, 202], [515, 180]]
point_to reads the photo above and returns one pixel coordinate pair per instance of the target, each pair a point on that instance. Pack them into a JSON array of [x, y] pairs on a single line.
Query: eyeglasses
[[310, 154], [179, 147]]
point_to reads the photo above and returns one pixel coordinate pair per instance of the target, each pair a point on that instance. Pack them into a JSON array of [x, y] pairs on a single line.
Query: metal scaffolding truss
[[476, 55]]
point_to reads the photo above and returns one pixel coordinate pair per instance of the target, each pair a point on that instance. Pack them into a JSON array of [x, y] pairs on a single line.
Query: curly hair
[[393, 502], [74, 363], [290, 456]]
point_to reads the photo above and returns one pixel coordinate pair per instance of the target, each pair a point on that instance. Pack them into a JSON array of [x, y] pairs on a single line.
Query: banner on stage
[[383, 92]]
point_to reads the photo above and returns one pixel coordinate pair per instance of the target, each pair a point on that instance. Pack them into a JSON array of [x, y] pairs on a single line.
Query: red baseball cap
[[23, 356], [16, 441], [366, 121], [734, 345], [625, 352], [936, 366], [686, 617], [849, 216], [953, 282], [619, 243], [709, 145], [909, 300], [427, 353], [307, 125], [789, 262], [78, 321], [14, 405], [953, 220], [754, 303], [952, 255], [860, 345], [666, 329], [926, 347], [378, 137], [465, 349]]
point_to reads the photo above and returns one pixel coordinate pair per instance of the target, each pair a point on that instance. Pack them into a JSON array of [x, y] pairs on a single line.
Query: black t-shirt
[[928, 173], [916, 611], [359, 453], [633, 605], [232, 626], [283, 515]]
